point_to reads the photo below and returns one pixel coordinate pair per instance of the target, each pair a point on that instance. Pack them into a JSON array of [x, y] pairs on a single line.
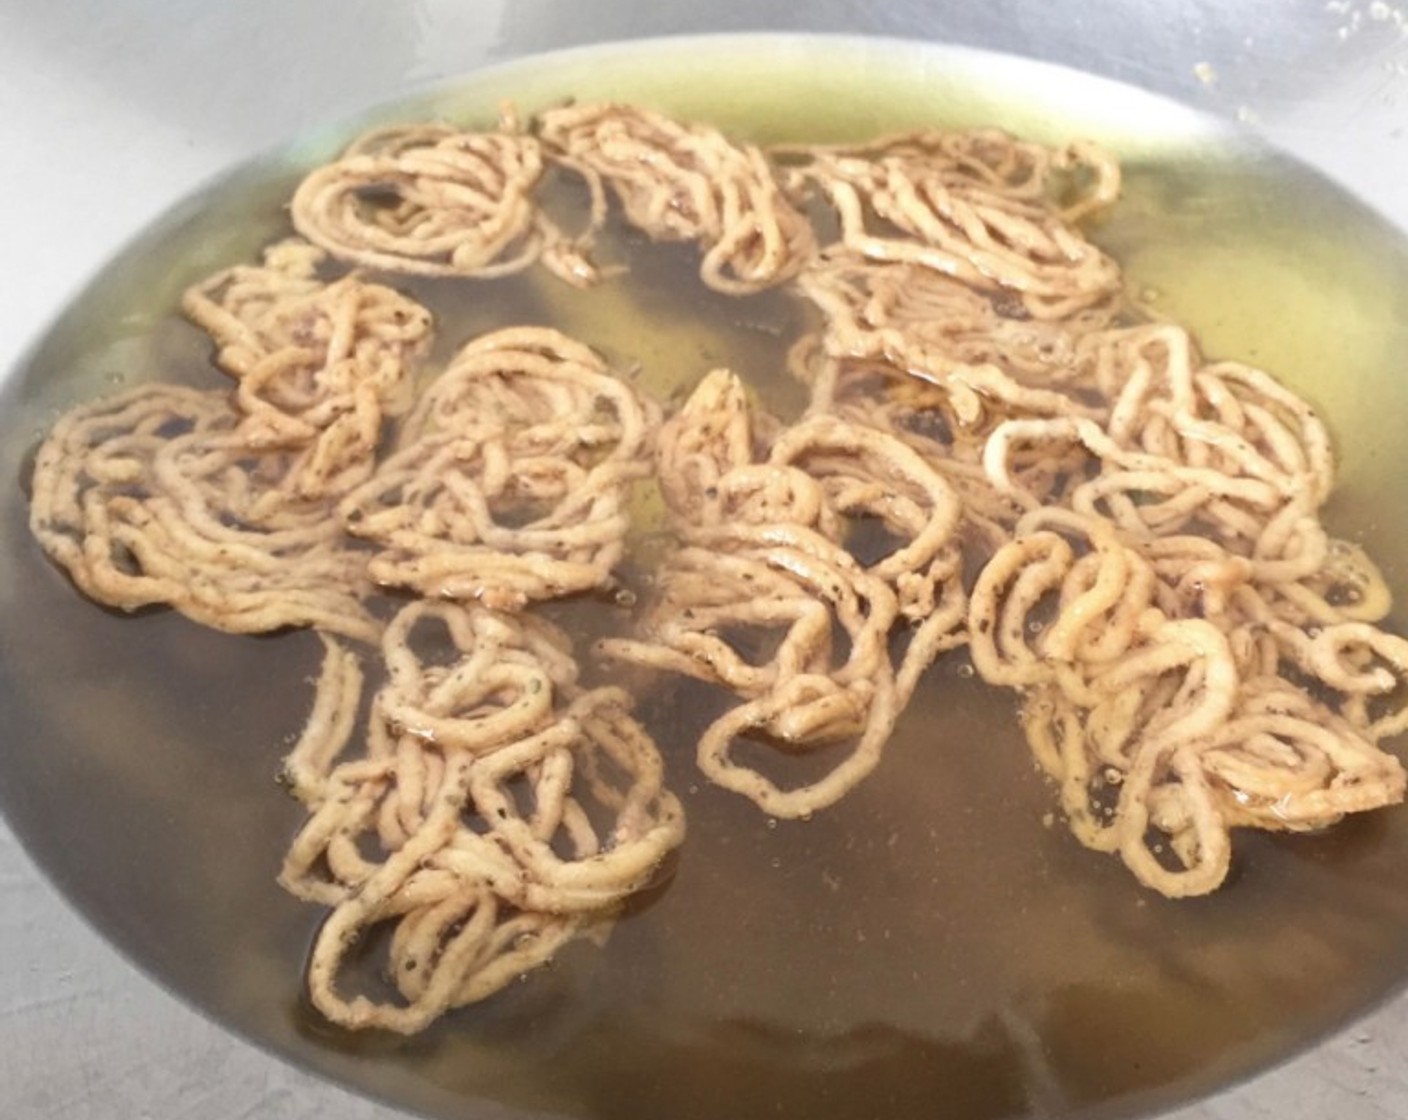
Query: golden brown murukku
[[319, 365], [512, 476], [764, 554], [433, 200], [496, 811], [152, 496], [679, 181]]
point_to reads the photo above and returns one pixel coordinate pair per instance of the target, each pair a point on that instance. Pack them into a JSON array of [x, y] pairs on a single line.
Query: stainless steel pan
[[111, 115]]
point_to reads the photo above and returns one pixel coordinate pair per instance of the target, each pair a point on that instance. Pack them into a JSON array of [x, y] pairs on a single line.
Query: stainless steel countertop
[[111, 112]]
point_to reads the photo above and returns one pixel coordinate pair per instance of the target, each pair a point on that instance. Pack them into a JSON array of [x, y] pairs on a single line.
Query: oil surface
[[933, 946]]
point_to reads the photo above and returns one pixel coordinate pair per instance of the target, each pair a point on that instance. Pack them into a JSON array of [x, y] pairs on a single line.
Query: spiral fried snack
[[1212, 659], [319, 365], [1166, 731], [686, 182], [988, 361], [1196, 654], [763, 554], [1221, 447], [920, 415], [497, 811], [511, 479], [153, 496], [432, 200], [978, 206], [939, 364]]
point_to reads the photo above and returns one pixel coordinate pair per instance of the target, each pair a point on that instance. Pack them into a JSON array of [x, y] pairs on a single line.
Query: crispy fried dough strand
[[764, 551], [433, 200], [687, 182], [497, 811], [1169, 700], [978, 206], [319, 365], [152, 496], [511, 479], [1195, 653]]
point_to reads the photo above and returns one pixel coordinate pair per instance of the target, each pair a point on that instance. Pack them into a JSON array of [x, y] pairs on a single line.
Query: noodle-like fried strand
[[485, 775], [1194, 737], [950, 196], [513, 475], [765, 553], [151, 496], [687, 182], [433, 200], [318, 365]]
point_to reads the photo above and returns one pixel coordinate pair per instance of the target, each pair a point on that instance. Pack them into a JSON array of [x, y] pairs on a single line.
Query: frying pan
[[112, 115]]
